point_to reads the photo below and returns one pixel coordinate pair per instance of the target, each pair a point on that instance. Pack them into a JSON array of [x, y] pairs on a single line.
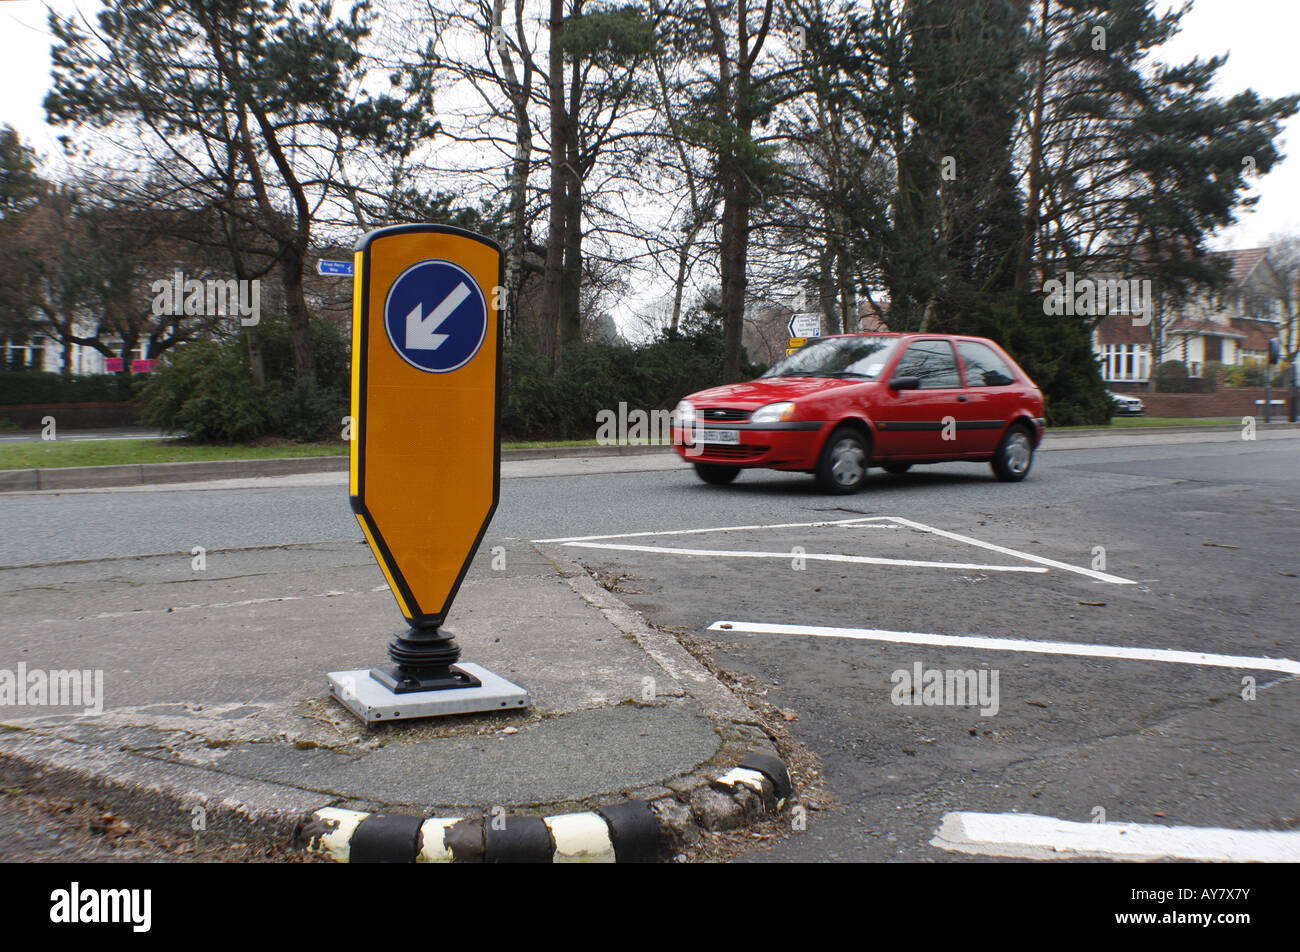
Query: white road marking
[[1044, 837], [1169, 655], [669, 532], [810, 556], [1090, 573], [864, 522]]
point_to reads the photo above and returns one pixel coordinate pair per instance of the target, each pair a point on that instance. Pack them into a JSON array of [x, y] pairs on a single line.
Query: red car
[[842, 403]]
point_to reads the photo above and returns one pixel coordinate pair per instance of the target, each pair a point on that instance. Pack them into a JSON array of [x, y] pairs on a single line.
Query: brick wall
[[1227, 402]]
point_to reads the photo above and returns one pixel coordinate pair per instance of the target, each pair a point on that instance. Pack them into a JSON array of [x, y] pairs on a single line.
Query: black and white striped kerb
[[626, 832]]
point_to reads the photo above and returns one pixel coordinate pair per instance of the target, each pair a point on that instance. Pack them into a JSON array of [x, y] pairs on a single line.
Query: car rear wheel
[[897, 469], [716, 475], [1014, 455], [843, 465]]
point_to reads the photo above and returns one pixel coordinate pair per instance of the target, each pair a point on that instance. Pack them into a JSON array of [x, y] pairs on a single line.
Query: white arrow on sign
[[420, 330]]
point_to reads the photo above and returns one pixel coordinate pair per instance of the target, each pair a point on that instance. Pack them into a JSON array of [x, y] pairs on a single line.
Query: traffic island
[[217, 721]]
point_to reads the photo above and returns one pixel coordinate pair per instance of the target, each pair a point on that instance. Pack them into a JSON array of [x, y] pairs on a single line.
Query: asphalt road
[[1205, 532]]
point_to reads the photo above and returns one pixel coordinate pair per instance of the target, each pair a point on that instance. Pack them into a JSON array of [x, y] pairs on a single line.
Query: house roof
[[1242, 261], [1189, 328], [1120, 329]]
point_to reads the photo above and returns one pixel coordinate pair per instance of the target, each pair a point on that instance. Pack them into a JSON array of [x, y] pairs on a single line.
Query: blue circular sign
[[436, 316]]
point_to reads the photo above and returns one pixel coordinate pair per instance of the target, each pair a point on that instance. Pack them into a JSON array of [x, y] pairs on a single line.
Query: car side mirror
[[905, 383]]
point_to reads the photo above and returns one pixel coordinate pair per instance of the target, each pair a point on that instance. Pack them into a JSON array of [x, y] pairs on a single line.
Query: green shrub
[[305, 412], [1250, 373], [330, 346], [204, 390], [1055, 350], [531, 406], [539, 404], [1171, 377]]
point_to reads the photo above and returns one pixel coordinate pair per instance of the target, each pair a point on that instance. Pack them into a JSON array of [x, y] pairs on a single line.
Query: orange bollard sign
[[426, 344], [424, 476]]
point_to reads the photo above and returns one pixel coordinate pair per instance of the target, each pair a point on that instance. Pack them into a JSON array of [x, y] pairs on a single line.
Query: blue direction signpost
[[341, 268]]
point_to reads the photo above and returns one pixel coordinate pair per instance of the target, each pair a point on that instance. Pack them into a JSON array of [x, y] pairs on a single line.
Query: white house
[[43, 352], [1232, 326]]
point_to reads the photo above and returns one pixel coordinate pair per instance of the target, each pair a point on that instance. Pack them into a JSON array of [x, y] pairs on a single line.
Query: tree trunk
[[571, 283], [735, 249], [295, 307], [255, 358], [735, 211], [552, 289], [826, 284], [683, 263], [1033, 201], [518, 217]]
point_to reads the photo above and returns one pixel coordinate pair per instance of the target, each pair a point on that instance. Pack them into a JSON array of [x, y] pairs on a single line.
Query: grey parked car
[[1126, 405]]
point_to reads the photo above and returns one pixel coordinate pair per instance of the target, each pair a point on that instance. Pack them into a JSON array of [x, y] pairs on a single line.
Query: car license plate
[[729, 437]]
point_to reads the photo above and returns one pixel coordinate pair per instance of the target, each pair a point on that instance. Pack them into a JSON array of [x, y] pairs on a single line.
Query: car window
[[984, 368], [850, 356], [932, 361]]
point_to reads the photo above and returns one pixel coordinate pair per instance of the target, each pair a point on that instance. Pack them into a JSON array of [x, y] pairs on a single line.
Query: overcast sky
[[1260, 35]]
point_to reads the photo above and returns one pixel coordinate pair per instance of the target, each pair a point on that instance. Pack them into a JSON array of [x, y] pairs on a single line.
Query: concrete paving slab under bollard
[[214, 692]]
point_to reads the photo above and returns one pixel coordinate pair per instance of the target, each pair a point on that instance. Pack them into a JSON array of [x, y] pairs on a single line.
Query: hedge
[[23, 387]]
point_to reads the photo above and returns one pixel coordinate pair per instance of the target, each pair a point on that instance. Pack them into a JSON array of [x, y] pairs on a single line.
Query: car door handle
[[961, 398]]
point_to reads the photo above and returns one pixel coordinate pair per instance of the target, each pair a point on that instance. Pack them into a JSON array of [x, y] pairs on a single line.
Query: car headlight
[[684, 415], [772, 413]]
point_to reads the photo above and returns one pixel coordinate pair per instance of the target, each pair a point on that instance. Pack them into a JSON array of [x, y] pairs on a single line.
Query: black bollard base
[[409, 680], [424, 659]]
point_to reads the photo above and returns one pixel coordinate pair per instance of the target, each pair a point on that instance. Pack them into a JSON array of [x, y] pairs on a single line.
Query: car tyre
[[1014, 455], [896, 469], [844, 461], [716, 475]]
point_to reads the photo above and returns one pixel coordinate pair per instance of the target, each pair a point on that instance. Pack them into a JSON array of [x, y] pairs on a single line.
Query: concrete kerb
[[169, 795], [154, 792], [146, 474]]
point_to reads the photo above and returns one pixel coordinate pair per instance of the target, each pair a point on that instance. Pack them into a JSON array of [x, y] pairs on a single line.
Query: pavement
[[216, 696]]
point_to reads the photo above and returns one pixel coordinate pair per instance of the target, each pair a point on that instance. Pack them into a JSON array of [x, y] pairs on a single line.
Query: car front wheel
[[1014, 455], [843, 465], [716, 475]]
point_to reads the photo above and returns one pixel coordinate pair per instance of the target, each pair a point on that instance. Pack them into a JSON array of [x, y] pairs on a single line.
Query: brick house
[[1231, 326]]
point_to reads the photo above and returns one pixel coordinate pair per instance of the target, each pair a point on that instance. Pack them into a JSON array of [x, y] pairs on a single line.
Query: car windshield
[[863, 357]]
